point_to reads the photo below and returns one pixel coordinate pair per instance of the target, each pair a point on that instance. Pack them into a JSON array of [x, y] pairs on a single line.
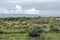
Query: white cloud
[[46, 7], [18, 7], [32, 11], [19, 10]]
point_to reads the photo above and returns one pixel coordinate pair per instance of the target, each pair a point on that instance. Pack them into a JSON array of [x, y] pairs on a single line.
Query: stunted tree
[[35, 32]]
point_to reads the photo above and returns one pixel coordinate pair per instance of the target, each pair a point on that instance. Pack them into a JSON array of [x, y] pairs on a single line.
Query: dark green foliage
[[54, 29], [35, 32], [1, 32], [44, 26], [44, 22]]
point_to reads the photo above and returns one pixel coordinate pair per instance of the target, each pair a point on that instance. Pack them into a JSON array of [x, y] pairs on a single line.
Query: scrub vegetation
[[33, 28]]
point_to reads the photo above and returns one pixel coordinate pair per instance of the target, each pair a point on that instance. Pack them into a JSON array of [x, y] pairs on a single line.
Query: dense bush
[[54, 29], [44, 26], [1, 32], [35, 32], [44, 21]]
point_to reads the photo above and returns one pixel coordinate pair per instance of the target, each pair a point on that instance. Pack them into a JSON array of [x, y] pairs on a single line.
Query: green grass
[[17, 29], [15, 36], [24, 36]]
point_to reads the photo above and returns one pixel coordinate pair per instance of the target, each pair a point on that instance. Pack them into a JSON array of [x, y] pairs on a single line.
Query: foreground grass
[[17, 28], [24, 36]]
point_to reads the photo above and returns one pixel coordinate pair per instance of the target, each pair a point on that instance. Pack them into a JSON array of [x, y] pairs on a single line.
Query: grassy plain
[[18, 28]]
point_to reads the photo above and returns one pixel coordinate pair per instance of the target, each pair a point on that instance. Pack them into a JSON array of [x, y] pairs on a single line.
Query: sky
[[41, 7]]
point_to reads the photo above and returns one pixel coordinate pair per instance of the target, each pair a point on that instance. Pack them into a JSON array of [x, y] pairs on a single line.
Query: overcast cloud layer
[[42, 7]]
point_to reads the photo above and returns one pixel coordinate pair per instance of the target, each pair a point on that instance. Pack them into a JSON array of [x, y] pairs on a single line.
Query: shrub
[[44, 26], [54, 29], [51, 28], [44, 22], [1, 32], [35, 32]]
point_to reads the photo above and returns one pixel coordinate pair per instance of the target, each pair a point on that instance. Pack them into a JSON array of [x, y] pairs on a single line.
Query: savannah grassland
[[30, 28]]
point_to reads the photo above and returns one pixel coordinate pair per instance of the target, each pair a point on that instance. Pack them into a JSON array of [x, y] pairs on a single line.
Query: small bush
[[54, 29], [35, 32], [44, 26], [1, 32]]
